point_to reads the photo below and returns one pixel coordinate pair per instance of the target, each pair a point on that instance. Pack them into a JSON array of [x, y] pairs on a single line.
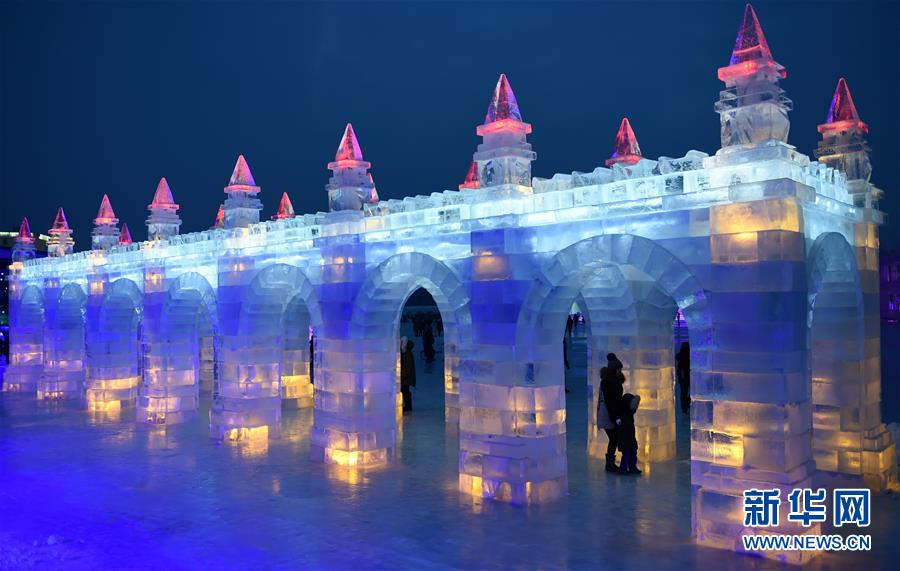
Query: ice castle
[[770, 257]]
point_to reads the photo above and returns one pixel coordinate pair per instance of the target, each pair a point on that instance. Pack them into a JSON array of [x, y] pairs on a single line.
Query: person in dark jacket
[[312, 359], [627, 440], [407, 372], [428, 343], [683, 374], [609, 406]]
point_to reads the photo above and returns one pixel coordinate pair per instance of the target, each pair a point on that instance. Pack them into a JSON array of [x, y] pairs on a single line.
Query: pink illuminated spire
[[125, 235], [25, 234], [372, 195], [626, 149], [842, 115], [241, 175], [751, 42], [285, 208], [472, 181], [349, 149], [503, 103], [105, 215], [220, 218], [162, 198], [60, 224]]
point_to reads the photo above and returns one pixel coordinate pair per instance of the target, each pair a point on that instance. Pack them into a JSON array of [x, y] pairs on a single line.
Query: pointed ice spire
[[105, 215], [241, 175], [626, 149], [162, 198], [472, 181], [348, 150], [372, 194], [503, 104], [60, 224], [25, 234], [125, 235], [285, 208], [751, 42], [220, 218], [842, 112]]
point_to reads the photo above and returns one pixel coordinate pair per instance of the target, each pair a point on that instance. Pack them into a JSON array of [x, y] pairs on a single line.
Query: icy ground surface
[[115, 496]]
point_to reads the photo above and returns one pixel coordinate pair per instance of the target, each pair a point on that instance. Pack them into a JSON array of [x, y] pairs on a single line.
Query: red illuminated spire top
[[503, 103], [125, 235], [241, 175], [372, 196], [105, 215], [349, 149], [472, 180], [750, 43], [503, 113], [60, 224], [626, 149], [842, 113], [220, 218], [751, 52], [285, 208], [162, 198], [25, 232]]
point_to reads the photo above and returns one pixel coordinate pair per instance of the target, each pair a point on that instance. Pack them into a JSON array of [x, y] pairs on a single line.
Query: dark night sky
[[107, 97]]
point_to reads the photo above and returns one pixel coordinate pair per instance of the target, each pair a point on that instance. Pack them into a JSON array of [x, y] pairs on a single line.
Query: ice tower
[[60, 242], [163, 221], [350, 184], [504, 157], [844, 147], [241, 207], [752, 107], [106, 227], [23, 249]]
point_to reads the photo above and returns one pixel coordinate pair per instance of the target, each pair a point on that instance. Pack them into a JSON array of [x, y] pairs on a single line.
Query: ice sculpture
[[24, 248], [163, 221], [769, 257], [242, 207], [504, 158], [124, 235], [472, 181], [60, 242], [285, 208], [220, 219], [626, 149], [350, 185], [106, 227], [752, 107]]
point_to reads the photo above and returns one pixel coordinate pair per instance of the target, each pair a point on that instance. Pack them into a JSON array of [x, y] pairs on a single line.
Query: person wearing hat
[[609, 407]]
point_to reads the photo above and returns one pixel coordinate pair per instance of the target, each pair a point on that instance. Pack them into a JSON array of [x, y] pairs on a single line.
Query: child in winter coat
[[627, 439]]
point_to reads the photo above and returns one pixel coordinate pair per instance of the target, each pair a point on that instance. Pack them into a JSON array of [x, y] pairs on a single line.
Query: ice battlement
[[693, 181]]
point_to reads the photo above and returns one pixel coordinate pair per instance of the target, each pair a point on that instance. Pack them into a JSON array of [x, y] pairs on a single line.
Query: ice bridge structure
[[771, 257]]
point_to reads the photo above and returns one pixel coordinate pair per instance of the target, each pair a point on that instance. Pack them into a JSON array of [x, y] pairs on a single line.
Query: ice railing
[[648, 179]]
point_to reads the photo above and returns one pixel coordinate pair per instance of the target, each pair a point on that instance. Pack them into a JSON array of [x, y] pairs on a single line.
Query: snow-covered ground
[[77, 495]]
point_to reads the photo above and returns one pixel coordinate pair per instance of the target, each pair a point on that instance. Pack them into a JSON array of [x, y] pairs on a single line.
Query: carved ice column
[[63, 374]]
